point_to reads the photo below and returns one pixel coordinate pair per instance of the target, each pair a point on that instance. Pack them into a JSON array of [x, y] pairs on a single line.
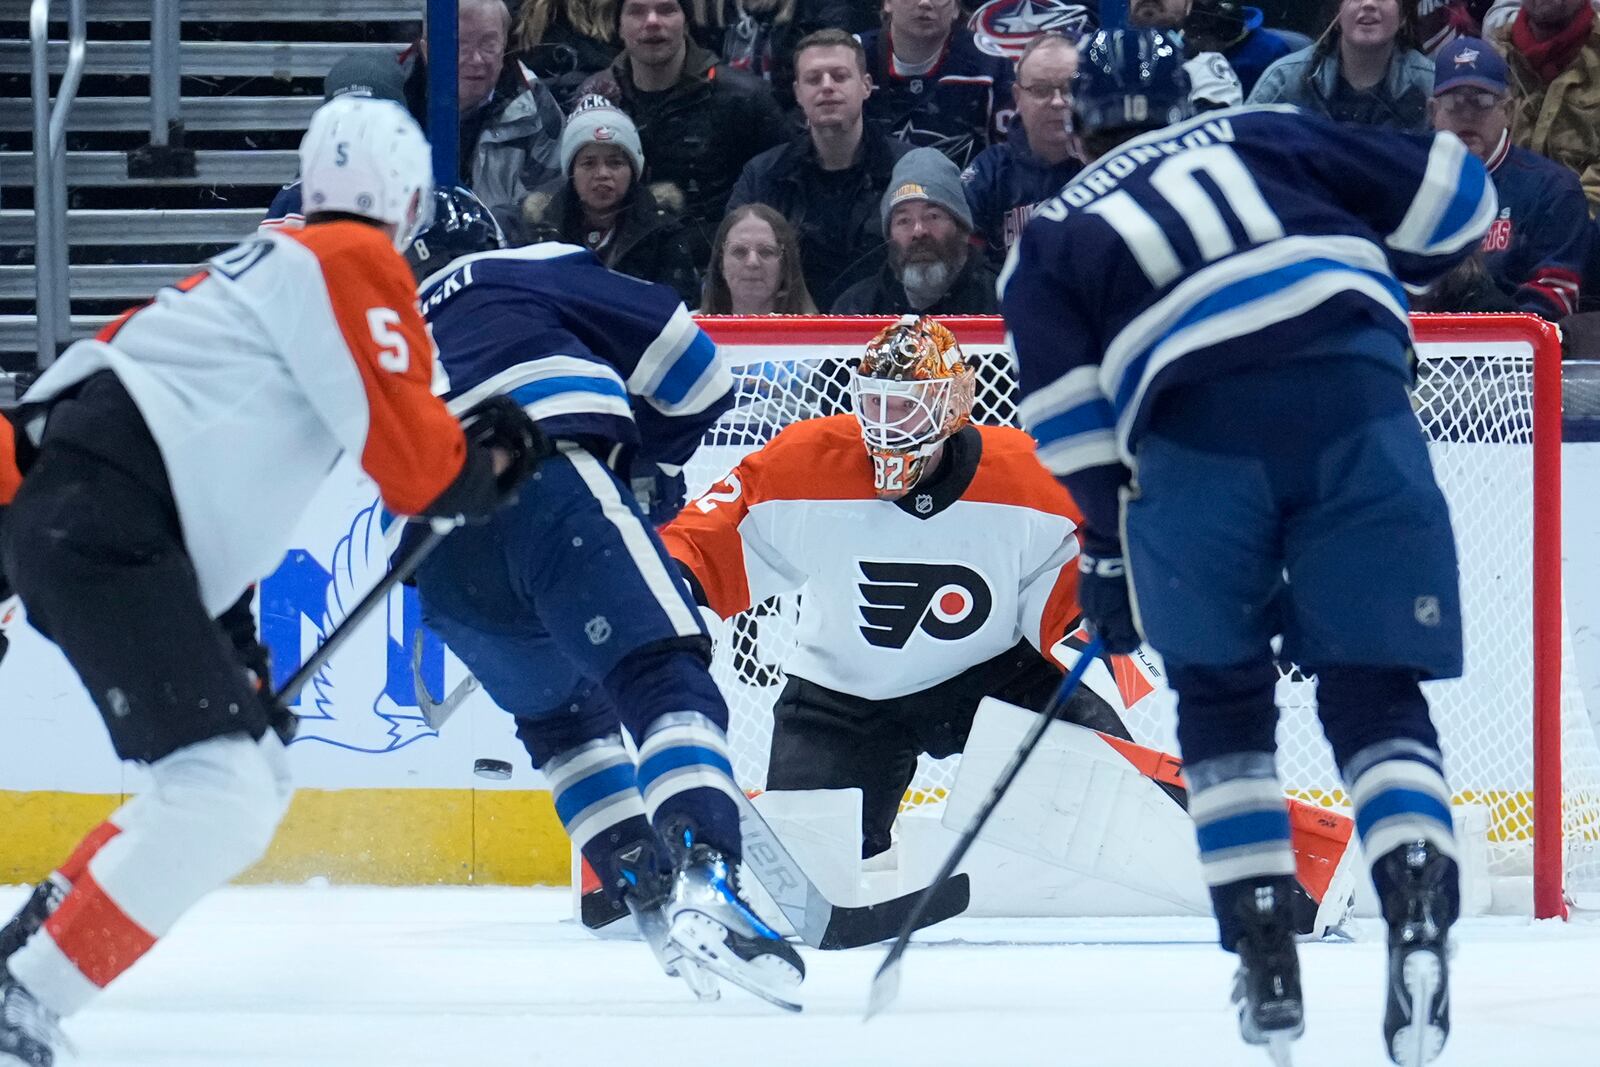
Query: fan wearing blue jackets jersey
[[567, 608], [1215, 358]]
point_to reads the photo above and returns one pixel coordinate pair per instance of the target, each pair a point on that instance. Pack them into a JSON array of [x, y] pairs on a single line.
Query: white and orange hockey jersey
[[257, 373], [896, 596]]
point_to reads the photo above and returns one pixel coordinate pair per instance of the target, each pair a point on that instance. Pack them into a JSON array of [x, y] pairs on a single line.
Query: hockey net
[[1517, 736]]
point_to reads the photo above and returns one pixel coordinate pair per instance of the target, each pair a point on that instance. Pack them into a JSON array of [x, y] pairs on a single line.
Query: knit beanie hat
[[597, 121], [927, 174]]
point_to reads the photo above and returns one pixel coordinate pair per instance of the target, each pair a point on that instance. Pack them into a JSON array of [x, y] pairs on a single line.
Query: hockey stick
[[826, 925], [398, 573], [886, 982], [437, 712], [818, 921]]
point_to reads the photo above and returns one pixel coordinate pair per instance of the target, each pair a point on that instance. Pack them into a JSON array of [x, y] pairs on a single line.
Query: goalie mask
[[911, 390]]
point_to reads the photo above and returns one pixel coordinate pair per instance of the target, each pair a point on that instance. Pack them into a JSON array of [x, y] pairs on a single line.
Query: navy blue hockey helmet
[[1131, 80], [461, 225]]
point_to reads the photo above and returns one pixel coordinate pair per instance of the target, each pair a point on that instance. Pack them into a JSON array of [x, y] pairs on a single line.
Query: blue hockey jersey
[[588, 352], [1236, 238]]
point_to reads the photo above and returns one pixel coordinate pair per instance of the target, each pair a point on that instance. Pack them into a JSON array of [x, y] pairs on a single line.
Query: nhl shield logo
[[924, 503], [1426, 610]]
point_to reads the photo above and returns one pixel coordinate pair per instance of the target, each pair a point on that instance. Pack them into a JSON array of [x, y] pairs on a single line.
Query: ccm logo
[[947, 601]]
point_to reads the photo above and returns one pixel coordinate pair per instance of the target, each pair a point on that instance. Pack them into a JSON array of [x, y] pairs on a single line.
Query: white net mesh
[[1475, 404]]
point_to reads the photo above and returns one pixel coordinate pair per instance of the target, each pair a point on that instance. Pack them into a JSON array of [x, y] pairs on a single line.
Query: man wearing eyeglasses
[[510, 134], [1535, 251], [1039, 155]]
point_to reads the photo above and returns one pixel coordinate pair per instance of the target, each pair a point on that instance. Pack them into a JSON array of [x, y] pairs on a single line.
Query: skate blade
[[1419, 1042], [703, 939], [671, 956], [1278, 1046]]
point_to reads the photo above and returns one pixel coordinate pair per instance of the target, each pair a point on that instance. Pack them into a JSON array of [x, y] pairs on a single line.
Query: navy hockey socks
[[596, 792], [687, 781], [1242, 823]]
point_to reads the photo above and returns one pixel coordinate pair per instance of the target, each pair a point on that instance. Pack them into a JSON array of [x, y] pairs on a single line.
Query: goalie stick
[[818, 921], [886, 982]]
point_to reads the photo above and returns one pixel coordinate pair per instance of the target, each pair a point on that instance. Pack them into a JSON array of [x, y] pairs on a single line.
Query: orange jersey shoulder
[[813, 459], [10, 477], [414, 447], [1009, 472]]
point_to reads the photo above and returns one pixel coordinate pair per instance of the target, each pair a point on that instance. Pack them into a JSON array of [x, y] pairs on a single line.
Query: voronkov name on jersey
[[1108, 175]]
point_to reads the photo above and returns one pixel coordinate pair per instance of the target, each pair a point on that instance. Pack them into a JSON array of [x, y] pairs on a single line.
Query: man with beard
[[932, 268]]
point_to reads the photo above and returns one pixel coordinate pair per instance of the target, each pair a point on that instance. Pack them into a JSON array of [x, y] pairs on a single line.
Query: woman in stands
[[601, 203], [755, 267]]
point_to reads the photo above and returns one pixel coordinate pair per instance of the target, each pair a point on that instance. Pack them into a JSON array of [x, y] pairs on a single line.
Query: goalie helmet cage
[[1516, 734]]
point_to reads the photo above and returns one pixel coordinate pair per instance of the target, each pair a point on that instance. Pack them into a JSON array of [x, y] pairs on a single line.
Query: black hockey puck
[[498, 769]]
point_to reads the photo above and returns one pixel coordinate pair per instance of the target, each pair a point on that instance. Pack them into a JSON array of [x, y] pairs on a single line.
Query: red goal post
[[1489, 395]]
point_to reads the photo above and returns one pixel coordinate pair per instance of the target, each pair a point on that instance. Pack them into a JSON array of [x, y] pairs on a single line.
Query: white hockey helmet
[[368, 157]]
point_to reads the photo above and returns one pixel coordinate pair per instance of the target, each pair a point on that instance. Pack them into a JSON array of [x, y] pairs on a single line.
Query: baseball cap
[[1469, 61], [365, 74]]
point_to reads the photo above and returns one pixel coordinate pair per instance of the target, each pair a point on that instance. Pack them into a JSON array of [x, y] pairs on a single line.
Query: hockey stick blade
[[823, 924], [436, 713], [886, 982]]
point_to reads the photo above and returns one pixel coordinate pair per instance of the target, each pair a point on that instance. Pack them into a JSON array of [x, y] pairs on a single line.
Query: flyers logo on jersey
[[947, 601]]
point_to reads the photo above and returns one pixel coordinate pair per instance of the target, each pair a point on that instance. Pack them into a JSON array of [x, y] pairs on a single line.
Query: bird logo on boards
[[347, 704], [946, 601]]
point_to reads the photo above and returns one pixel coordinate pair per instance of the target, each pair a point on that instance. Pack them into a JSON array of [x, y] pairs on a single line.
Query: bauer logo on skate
[[947, 601], [363, 700]]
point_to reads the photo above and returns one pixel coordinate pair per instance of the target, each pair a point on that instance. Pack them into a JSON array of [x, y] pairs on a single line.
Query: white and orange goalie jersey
[[899, 595], [257, 373]]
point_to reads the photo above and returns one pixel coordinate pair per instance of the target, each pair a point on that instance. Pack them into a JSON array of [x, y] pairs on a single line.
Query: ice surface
[[479, 976]]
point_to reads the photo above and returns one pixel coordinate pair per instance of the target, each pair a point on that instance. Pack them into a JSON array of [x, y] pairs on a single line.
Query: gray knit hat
[[597, 121], [927, 174]]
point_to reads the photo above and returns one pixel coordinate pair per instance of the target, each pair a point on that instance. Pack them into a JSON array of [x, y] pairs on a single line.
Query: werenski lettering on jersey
[[452, 285], [1104, 178], [947, 601]]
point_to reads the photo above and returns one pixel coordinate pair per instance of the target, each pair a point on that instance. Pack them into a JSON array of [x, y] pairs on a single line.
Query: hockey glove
[[1107, 603], [500, 422]]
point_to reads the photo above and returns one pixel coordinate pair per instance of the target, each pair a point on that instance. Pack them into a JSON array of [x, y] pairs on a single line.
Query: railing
[[54, 311]]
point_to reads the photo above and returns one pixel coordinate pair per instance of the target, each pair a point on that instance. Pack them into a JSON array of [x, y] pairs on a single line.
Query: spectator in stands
[[1007, 181], [932, 268], [761, 36], [1439, 22], [1363, 69], [1212, 82], [828, 181], [700, 121], [357, 74], [933, 86], [510, 123], [604, 206], [1237, 32], [1536, 251], [566, 41], [755, 267], [1553, 50]]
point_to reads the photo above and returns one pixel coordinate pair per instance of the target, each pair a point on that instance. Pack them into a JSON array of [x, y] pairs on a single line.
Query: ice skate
[[1266, 987], [716, 927], [646, 898], [1417, 898], [29, 1035], [45, 898]]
